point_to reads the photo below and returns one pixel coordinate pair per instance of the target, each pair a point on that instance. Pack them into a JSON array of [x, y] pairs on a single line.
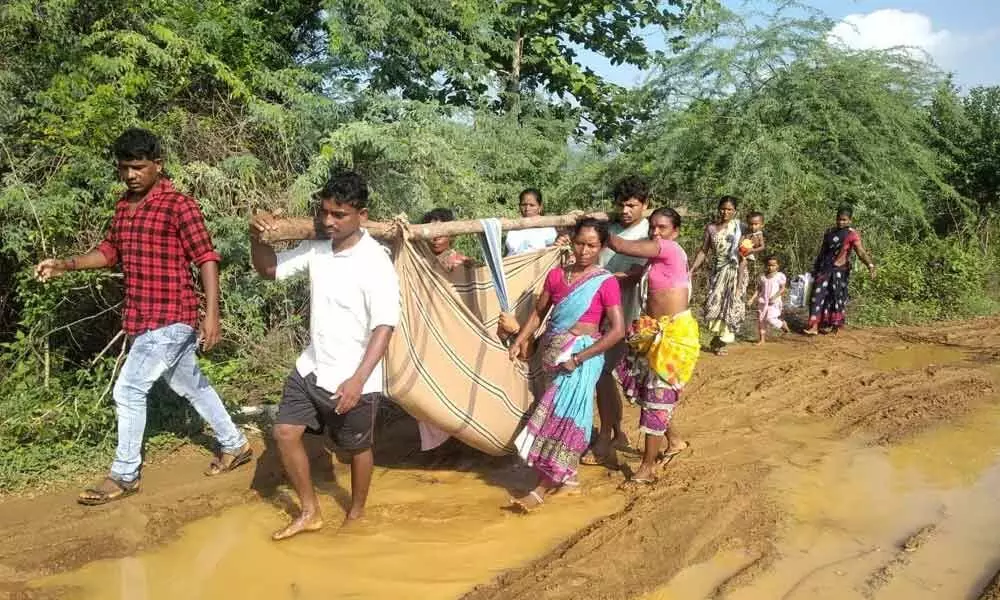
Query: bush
[[936, 279]]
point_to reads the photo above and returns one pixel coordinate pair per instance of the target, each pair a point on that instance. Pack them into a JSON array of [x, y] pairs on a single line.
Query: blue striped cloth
[[493, 251]]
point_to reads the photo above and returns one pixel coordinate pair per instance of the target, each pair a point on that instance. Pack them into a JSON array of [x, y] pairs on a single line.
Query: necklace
[[570, 277]]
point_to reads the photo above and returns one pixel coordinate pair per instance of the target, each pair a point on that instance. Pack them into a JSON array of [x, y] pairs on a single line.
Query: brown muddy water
[[915, 520], [420, 541], [912, 521], [864, 466]]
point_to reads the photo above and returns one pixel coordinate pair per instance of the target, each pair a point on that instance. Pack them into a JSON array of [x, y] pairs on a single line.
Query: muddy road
[[862, 466]]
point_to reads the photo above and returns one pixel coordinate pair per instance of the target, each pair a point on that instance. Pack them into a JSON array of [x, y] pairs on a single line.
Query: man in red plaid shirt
[[156, 234]]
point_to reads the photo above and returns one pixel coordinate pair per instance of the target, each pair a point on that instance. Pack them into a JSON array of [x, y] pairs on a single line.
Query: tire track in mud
[[716, 498], [713, 498], [992, 590]]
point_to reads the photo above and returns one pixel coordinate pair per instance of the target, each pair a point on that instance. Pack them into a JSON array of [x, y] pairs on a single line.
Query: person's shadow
[[269, 473]]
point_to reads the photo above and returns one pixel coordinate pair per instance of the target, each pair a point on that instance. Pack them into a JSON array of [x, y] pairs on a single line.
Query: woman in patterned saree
[[663, 342], [832, 274], [725, 308], [558, 431]]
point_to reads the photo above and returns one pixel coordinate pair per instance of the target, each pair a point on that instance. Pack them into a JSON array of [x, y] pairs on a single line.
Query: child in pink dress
[[770, 290]]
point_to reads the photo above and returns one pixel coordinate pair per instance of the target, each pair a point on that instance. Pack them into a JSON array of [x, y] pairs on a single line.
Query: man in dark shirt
[[155, 235]]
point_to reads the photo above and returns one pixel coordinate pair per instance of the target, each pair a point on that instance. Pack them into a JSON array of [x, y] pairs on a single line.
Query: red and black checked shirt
[[156, 246]]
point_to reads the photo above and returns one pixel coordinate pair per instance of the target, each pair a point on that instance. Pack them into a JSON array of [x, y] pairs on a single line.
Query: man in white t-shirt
[[632, 199], [337, 381]]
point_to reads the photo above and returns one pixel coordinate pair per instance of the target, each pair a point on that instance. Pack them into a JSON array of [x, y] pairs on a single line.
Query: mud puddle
[[420, 541], [911, 521], [776, 488], [916, 356]]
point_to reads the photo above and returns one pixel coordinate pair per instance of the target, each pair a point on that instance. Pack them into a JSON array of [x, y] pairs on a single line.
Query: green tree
[[224, 85], [793, 124], [768, 110], [975, 132], [418, 155], [241, 92], [455, 52]]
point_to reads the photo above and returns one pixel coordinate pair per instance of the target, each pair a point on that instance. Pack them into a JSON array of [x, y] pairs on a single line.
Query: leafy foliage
[[256, 99], [455, 52], [970, 127]]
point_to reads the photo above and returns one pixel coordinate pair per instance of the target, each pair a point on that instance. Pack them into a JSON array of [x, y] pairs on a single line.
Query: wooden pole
[[305, 229]]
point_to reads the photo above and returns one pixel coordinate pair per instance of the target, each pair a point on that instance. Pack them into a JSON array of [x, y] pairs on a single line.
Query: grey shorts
[[613, 356], [305, 403]]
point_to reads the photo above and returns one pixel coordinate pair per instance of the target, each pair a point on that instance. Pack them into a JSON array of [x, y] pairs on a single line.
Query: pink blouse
[[608, 295], [668, 269]]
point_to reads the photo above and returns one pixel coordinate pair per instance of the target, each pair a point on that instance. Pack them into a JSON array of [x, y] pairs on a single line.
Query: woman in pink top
[[580, 295], [663, 343]]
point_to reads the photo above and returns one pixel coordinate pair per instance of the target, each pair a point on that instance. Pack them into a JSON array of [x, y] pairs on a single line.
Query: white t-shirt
[[351, 293], [620, 263], [520, 241]]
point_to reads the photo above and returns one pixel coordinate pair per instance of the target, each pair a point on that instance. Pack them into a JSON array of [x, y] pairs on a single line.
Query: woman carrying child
[[580, 295], [663, 342], [725, 308]]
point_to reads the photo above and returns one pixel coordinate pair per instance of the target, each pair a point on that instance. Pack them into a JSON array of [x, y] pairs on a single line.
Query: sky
[[960, 36]]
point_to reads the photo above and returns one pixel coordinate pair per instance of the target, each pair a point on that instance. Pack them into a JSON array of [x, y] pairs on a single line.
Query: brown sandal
[[95, 496], [521, 505], [219, 464]]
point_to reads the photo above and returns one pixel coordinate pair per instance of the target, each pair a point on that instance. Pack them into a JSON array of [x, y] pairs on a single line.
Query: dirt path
[[747, 415], [883, 385]]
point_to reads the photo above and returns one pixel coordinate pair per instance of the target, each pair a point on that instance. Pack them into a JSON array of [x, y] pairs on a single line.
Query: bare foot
[[303, 524], [760, 343], [353, 516], [676, 447]]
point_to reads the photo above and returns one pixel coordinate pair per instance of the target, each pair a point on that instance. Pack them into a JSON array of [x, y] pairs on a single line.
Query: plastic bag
[[799, 291]]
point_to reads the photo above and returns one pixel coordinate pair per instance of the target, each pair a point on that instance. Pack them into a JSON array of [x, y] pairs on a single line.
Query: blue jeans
[[168, 352]]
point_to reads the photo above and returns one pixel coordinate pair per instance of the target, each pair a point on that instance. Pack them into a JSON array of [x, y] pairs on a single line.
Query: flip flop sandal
[[664, 458], [568, 488], [637, 482], [592, 460], [217, 467], [94, 496], [524, 508]]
